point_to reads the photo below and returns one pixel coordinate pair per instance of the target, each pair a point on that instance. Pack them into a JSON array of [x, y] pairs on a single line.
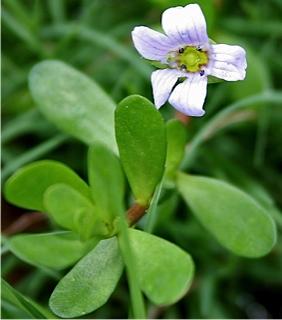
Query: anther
[[181, 50], [199, 48], [202, 72], [183, 67]]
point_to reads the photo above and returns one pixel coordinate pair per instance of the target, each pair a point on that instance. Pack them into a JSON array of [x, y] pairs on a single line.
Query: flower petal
[[188, 97], [227, 62], [151, 44], [186, 25], [162, 83]]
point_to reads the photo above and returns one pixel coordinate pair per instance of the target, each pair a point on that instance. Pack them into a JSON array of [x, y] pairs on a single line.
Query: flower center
[[191, 59]]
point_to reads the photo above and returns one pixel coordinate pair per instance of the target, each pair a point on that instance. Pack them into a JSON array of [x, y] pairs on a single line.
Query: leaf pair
[[27, 186], [50, 186], [72, 211], [237, 221], [163, 270]]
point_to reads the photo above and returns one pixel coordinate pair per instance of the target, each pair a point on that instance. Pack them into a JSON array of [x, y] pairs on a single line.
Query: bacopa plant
[[132, 143]]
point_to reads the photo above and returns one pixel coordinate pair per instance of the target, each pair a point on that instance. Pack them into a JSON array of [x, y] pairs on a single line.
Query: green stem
[[126, 251], [217, 122], [152, 211]]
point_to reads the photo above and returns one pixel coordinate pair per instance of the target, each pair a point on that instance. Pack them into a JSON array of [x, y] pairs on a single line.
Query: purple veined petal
[[162, 83], [151, 44], [186, 25], [227, 62], [188, 97], [194, 12]]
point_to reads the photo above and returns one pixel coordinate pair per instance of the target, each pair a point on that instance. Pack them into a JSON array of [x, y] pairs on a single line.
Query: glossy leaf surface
[[141, 138]]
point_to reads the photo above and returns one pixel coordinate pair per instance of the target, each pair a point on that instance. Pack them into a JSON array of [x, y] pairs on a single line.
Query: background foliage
[[243, 148]]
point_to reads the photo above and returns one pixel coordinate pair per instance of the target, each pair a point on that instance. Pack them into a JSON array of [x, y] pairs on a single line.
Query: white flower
[[188, 54]]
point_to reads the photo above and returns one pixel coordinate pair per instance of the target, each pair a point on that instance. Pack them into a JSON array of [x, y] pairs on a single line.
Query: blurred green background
[[94, 37]]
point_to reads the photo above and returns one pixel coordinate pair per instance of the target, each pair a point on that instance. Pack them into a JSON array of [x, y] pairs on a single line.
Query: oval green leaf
[[140, 134], [73, 102], [90, 283], [71, 210], [106, 180], [56, 250], [236, 220], [164, 270], [26, 187]]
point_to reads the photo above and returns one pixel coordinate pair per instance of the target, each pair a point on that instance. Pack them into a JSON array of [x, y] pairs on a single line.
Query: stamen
[[202, 72], [191, 59], [188, 59]]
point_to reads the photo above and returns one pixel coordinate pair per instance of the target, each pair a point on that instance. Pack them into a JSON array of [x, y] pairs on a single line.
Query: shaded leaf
[[73, 211], [236, 220], [106, 181], [73, 102]]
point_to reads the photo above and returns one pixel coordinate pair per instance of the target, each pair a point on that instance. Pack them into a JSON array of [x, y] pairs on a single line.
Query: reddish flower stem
[[135, 213]]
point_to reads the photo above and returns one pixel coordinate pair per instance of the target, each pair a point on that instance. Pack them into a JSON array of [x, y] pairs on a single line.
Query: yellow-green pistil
[[191, 58]]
